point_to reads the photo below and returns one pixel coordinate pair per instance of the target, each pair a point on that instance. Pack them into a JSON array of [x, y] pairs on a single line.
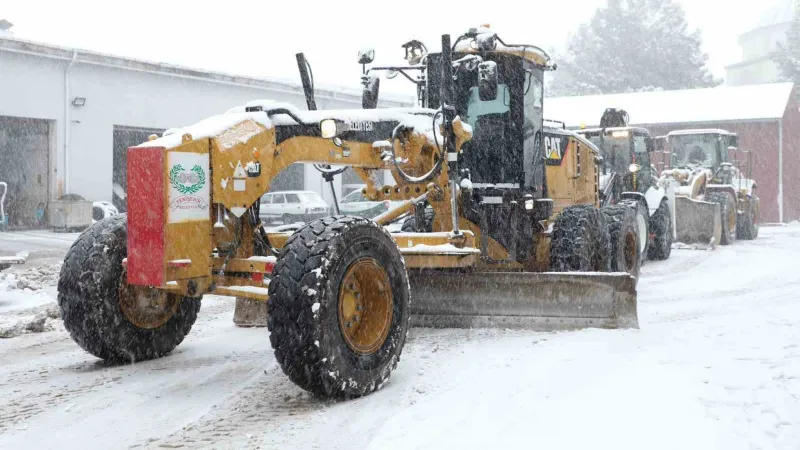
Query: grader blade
[[697, 223], [523, 300]]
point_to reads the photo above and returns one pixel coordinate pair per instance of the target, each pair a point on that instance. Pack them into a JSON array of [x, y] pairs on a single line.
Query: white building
[[68, 115], [758, 44]]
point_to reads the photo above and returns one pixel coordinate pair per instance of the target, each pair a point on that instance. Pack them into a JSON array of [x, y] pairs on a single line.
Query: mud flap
[[697, 222], [250, 313], [543, 301]]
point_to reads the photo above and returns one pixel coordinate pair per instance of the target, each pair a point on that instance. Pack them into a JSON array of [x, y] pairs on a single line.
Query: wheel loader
[[716, 200], [629, 178], [517, 239]]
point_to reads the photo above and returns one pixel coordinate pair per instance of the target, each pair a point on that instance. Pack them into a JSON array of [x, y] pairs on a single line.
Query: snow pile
[[43, 320], [32, 278]]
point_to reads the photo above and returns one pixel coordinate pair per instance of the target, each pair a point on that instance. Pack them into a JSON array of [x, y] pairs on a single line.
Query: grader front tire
[[580, 241], [339, 307], [107, 317]]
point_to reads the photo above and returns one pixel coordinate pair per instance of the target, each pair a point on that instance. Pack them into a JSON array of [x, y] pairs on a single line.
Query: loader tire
[[727, 213], [580, 241], [339, 307], [661, 227], [92, 292], [747, 226], [623, 231]]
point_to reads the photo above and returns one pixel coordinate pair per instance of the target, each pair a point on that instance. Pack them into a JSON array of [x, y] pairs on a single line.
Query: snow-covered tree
[[788, 54], [632, 46]]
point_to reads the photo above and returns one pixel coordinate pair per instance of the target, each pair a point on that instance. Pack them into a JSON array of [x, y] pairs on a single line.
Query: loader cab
[[701, 148], [626, 152]]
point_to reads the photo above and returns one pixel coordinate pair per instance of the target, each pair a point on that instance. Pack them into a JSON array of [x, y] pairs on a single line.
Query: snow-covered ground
[[715, 365]]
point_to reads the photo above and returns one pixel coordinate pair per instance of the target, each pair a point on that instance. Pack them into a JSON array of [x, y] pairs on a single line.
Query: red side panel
[[146, 216]]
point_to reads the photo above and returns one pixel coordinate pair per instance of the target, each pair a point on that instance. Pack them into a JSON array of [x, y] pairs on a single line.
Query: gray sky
[[260, 38]]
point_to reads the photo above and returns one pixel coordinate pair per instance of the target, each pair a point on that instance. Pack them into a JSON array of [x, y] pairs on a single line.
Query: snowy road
[[715, 365]]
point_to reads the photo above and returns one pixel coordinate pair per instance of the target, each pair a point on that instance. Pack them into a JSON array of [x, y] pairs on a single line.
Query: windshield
[[694, 150], [616, 151]]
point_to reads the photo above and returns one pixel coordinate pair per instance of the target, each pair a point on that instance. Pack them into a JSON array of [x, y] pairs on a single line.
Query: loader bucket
[[697, 222], [543, 301]]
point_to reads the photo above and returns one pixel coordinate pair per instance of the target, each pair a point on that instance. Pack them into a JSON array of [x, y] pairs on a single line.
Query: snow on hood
[[207, 128], [420, 119]]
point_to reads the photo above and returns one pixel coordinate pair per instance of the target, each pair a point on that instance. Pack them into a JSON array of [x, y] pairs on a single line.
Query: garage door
[[24, 165], [125, 137]]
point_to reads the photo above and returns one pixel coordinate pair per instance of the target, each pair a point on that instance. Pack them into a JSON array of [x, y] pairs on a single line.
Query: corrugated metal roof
[[719, 104], [17, 45]]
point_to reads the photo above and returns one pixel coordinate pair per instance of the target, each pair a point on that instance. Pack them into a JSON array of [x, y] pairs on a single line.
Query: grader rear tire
[[623, 231], [580, 241], [104, 314], [339, 307]]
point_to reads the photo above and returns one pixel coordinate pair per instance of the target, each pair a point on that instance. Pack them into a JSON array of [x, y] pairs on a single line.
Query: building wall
[[33, 86], [791, 160], [762, 139], [757, 65]]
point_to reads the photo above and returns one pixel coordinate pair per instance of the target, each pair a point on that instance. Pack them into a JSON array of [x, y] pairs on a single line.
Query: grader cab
[[512, 227]]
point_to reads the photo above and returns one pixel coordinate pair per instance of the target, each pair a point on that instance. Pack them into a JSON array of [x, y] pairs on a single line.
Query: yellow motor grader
[[517, 237], [715, 201]]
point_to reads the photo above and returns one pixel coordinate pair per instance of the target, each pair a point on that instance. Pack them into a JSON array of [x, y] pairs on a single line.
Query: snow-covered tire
[[661, 227], [727, 213], [580, 241], [313, 297], [747, 226], [90, 284], [624, 237]]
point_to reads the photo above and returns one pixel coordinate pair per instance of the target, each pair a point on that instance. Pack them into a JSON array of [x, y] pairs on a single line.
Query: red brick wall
[[762, 139], [791, 161]]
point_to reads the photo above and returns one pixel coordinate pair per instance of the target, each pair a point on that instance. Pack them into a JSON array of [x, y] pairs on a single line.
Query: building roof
[[781, 11], [719, 104], [16, 45]]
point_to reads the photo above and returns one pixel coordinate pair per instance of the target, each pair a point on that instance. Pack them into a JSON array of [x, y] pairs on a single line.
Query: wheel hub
[[642, 227], [147, 307], [365, 306]]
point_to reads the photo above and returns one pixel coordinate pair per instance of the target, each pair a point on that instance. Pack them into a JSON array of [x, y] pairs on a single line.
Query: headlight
[[529, 205], [328, 128], [634, 167]]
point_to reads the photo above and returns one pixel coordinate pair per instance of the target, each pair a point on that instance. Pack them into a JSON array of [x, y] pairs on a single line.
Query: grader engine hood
[[230, 159]]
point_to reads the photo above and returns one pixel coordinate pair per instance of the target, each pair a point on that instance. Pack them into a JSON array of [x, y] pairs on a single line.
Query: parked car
[[356, 204], [292, 206]]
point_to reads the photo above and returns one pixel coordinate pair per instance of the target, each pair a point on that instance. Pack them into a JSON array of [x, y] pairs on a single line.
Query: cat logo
[[552, 146], [555, 147]]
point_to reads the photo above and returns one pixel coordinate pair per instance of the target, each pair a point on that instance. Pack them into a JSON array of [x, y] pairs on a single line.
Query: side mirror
[[487, 81], [366, 56], [732, 153], [369, 98], [660, 143]]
